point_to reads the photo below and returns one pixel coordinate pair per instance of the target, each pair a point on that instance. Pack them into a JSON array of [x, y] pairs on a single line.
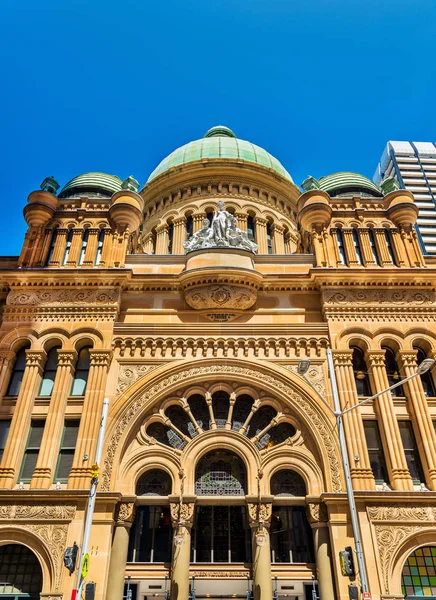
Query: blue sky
[[93, 85]]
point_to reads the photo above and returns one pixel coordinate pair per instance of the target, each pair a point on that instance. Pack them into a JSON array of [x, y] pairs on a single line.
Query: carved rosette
[[125, 513], [229, 297]]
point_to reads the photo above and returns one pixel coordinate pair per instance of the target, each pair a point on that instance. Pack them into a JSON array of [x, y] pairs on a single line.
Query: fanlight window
[[220, 473], [287, 483], [241, 410], [166, 435], [154, 483]]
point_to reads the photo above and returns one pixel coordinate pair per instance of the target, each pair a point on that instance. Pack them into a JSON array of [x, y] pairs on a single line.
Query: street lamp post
[[422, 368]]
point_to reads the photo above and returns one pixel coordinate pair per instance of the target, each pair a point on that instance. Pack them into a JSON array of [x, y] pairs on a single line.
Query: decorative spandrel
[[222, 232]]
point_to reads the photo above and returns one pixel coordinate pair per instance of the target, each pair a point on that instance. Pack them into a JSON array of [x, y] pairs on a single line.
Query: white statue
[[221, 233]]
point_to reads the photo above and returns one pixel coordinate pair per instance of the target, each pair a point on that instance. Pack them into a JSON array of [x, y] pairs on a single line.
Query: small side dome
[[346, 183], [91, 184]]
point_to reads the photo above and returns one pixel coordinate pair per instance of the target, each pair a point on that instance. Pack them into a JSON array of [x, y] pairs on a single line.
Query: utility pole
[[77, 591]]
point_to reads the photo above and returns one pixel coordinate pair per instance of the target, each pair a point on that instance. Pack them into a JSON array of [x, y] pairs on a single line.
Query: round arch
[[425, 537], [128, 410]]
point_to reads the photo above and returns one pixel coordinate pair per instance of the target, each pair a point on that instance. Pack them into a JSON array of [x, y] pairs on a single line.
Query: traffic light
[[70, 557], [347, 562], [90, 590], [353, 592]]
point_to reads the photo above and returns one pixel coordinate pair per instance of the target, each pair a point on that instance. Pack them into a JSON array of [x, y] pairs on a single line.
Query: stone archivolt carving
[[315, 375], [402, 512], [197, 372], [61, 296], [130, 373], [374, 296]]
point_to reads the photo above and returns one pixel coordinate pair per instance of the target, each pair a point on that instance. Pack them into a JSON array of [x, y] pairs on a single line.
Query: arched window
[[180, 420], [276, 435], [241, 410], [360, 373], [260, 420], [287, 483], [269, 238], [84, 245], [418, 576], [200, 411], [20, 573], [220, 473], [392, 372], [220, 405], [154, 483], [389, 246], [51, 366], [68, 246], [81, 374], [99, 246], [426, 378], [17, 373], [341, 248], [170, 237], [356, 243], [209, 216], [189, 226], [251, 229], [373, 247], [166, 435], [54, 237]]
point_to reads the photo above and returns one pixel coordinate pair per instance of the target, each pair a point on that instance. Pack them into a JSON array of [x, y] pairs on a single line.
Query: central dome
[[220, 143]]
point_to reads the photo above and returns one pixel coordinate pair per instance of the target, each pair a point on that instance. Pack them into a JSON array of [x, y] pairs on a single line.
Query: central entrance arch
[[20, 573]]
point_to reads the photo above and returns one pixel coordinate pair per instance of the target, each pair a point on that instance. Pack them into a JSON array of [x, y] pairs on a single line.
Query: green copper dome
[[99, 184], [345, 182], [220, 142]]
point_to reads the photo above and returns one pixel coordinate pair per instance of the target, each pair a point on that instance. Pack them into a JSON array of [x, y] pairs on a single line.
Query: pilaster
[[261, 238], [59, 248], [76, 246], [91, 247]]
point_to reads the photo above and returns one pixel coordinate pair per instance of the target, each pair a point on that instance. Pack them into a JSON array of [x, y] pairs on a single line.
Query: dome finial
[[219, 131]]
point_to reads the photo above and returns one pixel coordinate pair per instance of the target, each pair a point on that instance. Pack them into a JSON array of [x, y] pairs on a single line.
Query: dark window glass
[[170, 237], [291, 535], [220, 405], [389, 246], [373, 247], [154, 483], [67, 449], [68, 246], [84, 245], [20, 573], [250, 229], [81, 373], [17, 373], [287, 483], [356, 243], [269, 238], [49, 374], [220, 473], [426, 378], [411, 451], [220, 534], [241, 410], [209, 216], [189, 227], [180, 419], [32, 450], [393, 372], [4, 430], [375, 451], [99, 247], [341, 246], [165, 435], [133, 589], [151, 535], [276, 435], [200, 411], [260, 420], [360, 373], [54, 237]]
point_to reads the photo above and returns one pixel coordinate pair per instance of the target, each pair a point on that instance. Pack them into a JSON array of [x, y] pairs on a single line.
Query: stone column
[[7, 361], [90, 422], [230, 413], [421, 417], [365, 245], [361, 471], [107, 249], [337, 259], [419, 260], [125, 515], [179, 235], [48, 455], [45, 248], [91, 247], [197, 221], [182, 517], [398, 248], [260, 518], [382, 249], [288, 249], [318, 519], [59, 248], [242, 220], [279, 242], [76, 246], [148, 243], [261, 239], [318, 246], [19, 430], [162, 239], [350, 251], [390, 432], [36, 247]]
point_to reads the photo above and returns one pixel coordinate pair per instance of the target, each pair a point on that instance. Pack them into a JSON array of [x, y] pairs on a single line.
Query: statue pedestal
[[220, 282]]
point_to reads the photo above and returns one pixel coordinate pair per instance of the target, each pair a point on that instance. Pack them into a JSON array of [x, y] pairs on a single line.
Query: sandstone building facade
[[221, 467]]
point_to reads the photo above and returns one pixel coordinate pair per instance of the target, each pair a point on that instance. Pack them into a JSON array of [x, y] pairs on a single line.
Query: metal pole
[[346, 466], [77, 592]]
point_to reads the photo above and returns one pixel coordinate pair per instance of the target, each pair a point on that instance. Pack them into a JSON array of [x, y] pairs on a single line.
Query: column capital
[[317, 512], [375, 358], [161, 228], [241, 215], [343, 358], [6, 357], [35, 358], [125, 513], [259, 513], [100, 358], [260, 221], [179, 221], [408, 357], [67, 358], [275, 227], [93, 230], [182, 514]]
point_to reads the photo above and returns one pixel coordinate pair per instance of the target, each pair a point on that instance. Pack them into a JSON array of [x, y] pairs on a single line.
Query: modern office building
[[413, 164], [202, 306]]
